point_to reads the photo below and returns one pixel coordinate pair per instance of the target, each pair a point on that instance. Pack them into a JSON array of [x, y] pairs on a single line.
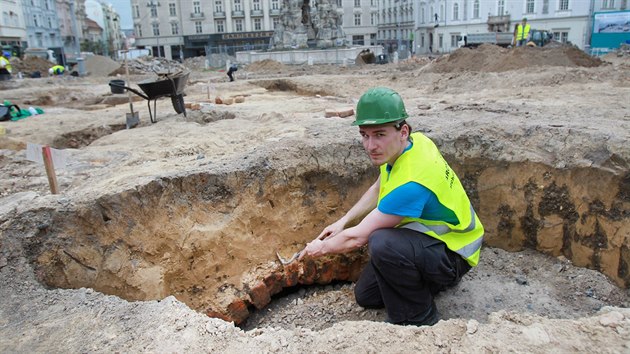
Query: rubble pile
[[30, 65], [195, 63], [147, 64]]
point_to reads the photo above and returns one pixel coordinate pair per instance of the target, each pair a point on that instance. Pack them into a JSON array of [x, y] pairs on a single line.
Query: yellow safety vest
[[58, 69], [424, 165], [7, 64], [522, 33]]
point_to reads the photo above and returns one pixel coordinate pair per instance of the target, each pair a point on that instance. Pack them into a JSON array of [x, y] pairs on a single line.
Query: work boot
[[428, 318]]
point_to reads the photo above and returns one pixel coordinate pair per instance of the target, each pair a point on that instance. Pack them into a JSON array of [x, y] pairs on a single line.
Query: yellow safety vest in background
[[7, 64], [424, 164], [522, 34]]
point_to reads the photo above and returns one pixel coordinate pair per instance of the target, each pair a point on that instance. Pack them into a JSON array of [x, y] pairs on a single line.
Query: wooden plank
[[50, 170]]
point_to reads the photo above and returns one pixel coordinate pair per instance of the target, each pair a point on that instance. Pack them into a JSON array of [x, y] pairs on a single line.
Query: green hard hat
[[380, 105]]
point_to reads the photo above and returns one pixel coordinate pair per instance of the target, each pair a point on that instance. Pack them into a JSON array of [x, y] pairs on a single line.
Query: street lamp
[[153, 5]]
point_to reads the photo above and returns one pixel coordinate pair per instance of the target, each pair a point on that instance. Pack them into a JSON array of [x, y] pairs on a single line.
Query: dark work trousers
[[406, 269], [230, 73]]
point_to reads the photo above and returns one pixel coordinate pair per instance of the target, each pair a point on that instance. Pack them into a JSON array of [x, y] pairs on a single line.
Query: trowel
[[133, 118], [284, 261]]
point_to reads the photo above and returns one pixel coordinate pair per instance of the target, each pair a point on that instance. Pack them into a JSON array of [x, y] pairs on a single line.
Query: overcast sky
[[123, 7]]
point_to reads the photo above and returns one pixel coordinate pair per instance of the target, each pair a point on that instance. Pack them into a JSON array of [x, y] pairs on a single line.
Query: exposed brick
[[309, 273], [347, 112], [259, 295], [218, 100], [291, 274], [237, 311], [330, 113], [275, 282], [215, 314], [326, 272]]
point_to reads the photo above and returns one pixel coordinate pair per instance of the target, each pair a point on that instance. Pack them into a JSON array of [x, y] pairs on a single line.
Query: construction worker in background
[[5, 65], [56, 70], [233, 68], [522, 33], [422, 232]]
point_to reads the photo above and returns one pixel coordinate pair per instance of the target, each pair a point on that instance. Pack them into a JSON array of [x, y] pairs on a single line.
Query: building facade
[[439, 23], [12, 26], [396, 25], [180, 29], [42, 24]]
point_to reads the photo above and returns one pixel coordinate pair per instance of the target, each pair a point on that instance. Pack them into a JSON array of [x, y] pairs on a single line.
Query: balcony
[[274, 12], [219, 14], [257, 13], [497, 20], [197, 16], [238, 14]]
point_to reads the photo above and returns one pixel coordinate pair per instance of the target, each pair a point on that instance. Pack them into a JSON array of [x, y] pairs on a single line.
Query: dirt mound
[[31, 64], [265, 65], [491, 58], [97, 65]]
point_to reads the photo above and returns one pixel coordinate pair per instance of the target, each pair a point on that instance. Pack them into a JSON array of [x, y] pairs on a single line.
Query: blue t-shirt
[[415, 201]]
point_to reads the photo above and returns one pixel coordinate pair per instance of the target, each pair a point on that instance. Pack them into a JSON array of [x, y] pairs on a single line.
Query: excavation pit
[[210, 239]]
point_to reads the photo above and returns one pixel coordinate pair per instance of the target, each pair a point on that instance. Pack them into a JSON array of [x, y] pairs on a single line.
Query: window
[[500, 7], [529, 7], [476, 9], [608, 4], [47, 4], [561, 36], [35, 21], [218, 6], [198, 27], [154, 11], [156, 29], [171, 9], [374, 3], [136, 11], [564, 5], [257, 24], [257, 5], [545, 9], [238, 6], [238, 24], [220, 25], [422, 40], [357, 19], [196, 7], [49, 22], [357, 40], [138, 30], [422, 14], [276, 21], [454, 39], [455, 11], [374, 19], [357, 3], [274, 5], [441, 41], [174, 28]]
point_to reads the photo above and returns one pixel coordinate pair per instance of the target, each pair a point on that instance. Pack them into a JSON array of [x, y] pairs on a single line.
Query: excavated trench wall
[[209, 238]]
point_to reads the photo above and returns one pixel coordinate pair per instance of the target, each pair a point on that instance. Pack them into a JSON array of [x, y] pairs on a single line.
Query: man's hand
[[332, 229], [314, 248]]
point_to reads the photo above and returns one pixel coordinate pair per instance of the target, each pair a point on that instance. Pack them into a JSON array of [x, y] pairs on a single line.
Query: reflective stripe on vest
[[467, 251]]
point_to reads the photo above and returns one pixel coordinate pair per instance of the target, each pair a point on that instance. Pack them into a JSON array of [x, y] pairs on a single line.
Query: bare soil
[[541, 146]]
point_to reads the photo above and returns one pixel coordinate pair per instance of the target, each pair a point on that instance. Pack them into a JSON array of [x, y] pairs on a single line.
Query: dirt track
[[542, 149]]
